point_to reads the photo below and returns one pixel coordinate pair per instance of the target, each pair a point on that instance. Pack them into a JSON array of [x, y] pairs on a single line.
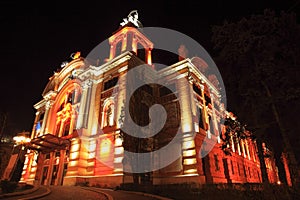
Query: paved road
[[123, 195], [85, 193], [41, 190], [72, 193]]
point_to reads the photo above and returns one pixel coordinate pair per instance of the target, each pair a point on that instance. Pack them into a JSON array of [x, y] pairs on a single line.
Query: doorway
[[44, 175]]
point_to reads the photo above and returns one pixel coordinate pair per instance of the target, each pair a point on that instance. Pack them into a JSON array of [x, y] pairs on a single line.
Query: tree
[[3, 123], [236, 130], [259, 59]]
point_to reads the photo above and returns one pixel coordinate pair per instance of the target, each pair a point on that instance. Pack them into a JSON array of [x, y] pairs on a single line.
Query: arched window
[[118, 48], [67, 111], [108, 113]]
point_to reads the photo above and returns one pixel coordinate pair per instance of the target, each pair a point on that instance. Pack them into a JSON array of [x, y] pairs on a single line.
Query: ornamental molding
[[92, 72]]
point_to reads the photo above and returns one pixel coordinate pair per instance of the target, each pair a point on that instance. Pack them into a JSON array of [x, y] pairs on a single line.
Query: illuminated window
[[108, 113], [66, 110], [38, 127]]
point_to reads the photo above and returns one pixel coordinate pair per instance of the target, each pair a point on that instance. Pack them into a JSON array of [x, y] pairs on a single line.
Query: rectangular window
[[141, 52], [78, 97], [41, 117], [197, 90], [118, 49], [211, 125], [216, 162], [111, 83], [245, 173], [66, 129], [201, 125], [207, 100], [249, 170], [57, 154]]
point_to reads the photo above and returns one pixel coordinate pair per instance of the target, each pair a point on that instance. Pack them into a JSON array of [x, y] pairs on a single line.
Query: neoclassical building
[[77, 134]]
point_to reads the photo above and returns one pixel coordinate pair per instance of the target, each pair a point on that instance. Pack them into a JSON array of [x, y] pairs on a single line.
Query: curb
[[147, 195], [35, 188], [38, 196], [108, 196]]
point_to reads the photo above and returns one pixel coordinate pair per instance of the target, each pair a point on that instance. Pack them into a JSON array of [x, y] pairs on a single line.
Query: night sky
[[37, 38]]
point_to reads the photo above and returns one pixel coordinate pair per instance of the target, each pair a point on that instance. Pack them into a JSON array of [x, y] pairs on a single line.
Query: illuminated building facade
[[77, 122]]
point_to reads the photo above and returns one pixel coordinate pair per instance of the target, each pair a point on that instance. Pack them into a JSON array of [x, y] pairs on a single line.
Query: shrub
[[8, 186]]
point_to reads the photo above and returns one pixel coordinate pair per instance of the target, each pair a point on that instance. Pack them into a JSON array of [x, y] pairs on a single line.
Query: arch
[[66, 105], [108, 113]]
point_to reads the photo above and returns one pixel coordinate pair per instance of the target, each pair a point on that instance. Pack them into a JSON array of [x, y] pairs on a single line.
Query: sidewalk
[[36, 191]]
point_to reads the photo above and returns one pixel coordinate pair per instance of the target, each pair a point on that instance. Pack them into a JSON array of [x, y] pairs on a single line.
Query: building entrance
[[54, 167]]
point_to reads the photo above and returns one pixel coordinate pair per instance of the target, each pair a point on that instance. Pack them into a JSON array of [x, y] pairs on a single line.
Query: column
[[149, 59], [40, 167], [232, 143], [50, 170], [87, 103], [84, 105], [134, 44], [60, 167], [72, 122], [112, 51], [205, 116], [189, 161], [247, 149], [185, 105], [48, 106], [238, 146], [243, 147], [120, 103], [192, 99], [214, 118], [124, 43]]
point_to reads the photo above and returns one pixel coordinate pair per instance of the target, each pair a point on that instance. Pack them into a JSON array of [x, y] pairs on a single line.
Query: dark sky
[[37, 37]]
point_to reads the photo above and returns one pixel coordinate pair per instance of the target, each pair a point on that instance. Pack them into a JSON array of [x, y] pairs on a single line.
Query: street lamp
[[21, 139], [16, 161]]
